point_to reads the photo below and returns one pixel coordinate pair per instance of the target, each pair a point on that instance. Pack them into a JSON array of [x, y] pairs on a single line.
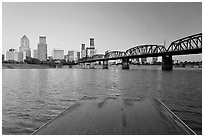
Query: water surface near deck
[[31, 97]]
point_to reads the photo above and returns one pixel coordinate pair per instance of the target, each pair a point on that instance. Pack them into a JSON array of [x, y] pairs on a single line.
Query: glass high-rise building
[[42, 49], [24, 46]]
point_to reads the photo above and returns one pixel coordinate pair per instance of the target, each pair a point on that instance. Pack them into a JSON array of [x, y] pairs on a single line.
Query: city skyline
[[114, 26]]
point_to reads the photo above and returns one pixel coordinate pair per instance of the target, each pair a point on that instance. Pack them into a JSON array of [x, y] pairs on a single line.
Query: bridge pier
[[167, 63], [105, 64], [125, 63]]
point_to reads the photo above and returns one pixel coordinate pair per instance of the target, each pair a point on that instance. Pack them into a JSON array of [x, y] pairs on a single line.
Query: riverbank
[[24, 66]]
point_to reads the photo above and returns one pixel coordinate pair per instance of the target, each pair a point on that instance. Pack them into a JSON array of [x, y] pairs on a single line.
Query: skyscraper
[[78, 55], [24, 46], [72, 56], [42, 49], [92, 48], [83, 51]]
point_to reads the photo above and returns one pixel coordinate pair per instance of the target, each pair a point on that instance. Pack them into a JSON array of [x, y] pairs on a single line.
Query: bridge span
[[187, 45]]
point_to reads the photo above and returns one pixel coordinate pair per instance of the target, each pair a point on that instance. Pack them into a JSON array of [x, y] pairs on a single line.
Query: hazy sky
[[114, 26]]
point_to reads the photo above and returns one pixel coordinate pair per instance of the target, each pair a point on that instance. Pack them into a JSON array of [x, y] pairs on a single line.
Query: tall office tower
[[92, 48], [83, 51], [58, 54], [91, 42], [35, 53], [78, 55], [72, 56], [24, 46], [42, 49]]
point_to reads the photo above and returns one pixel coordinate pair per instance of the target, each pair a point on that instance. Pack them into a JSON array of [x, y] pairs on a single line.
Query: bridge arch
[[115, 54], [187, 43], [98, 56], [145, 49]]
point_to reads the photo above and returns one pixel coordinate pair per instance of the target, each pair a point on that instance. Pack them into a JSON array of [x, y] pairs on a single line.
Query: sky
[[114, 26]]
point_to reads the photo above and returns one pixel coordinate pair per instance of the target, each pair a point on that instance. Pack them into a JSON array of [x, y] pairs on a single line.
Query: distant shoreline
[[24, 66], [39, 66]]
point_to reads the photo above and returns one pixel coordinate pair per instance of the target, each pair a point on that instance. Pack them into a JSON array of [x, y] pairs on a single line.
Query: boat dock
[[116, 116]]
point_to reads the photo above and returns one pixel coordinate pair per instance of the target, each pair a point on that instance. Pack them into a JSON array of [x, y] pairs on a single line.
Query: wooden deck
[[116, 116]]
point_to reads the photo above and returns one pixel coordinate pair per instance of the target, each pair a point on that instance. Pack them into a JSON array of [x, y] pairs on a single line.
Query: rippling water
[[31, 97]]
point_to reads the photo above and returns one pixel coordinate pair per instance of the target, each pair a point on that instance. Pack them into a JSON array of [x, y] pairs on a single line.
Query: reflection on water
[[32, 97]]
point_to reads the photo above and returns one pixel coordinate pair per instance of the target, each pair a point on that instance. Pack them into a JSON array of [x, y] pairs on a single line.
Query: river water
[[31, 97]]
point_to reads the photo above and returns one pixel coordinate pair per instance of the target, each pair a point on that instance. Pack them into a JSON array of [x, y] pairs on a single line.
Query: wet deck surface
[[115, 116]]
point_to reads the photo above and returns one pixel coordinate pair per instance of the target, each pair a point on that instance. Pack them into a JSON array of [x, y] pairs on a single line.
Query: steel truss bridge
[[187, 45]]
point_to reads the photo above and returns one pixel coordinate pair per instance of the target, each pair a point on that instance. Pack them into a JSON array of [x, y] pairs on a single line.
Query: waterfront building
[[83, 50], [42, 49], [92, 47], [24, 46], [58, 54], [78, 55], [18, 56], [72, 56], [10, 54], [35, 53]]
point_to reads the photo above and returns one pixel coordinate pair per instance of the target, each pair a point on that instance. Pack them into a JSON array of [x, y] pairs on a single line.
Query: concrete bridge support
[[125, 63], [105, 64], [167, 63]]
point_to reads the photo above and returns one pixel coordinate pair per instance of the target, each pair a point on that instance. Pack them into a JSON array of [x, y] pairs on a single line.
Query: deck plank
[[115, 116]]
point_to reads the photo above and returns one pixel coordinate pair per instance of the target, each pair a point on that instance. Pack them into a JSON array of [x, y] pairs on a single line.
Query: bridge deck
[[115, 115]]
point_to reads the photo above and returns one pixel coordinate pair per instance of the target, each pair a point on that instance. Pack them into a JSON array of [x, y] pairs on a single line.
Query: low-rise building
[[10, 54], [58, 54]]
